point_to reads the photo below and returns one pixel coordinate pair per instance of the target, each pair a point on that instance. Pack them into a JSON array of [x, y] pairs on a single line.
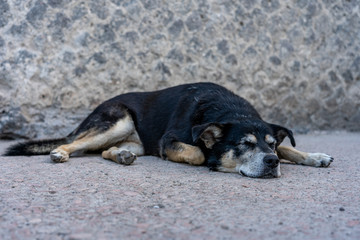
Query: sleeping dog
[[199, 124]]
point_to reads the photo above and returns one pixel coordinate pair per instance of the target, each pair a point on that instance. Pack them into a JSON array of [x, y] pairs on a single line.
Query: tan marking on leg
[[94, 141], [133, 138], [109, 154], [88, 133], [291, 154], [309, 159], [185, 153]]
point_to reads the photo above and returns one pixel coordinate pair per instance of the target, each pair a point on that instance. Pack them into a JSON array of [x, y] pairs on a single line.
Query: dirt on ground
[[91, 198]]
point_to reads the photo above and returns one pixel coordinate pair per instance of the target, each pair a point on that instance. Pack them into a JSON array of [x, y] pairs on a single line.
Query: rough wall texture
[[297, 61]]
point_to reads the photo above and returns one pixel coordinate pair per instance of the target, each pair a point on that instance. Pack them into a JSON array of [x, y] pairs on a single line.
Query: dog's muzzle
[[269, 167]]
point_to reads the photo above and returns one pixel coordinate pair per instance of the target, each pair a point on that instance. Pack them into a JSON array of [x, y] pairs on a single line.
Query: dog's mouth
[[242, 173]]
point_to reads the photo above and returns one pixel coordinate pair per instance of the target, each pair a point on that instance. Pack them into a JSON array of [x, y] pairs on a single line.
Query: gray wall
[[297, 61]]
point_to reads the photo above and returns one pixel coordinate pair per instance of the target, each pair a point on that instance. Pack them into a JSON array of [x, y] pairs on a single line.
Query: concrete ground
[[91, 198]]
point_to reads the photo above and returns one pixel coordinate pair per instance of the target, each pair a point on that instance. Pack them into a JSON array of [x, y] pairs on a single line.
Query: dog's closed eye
[[249, 143], [270, 140]]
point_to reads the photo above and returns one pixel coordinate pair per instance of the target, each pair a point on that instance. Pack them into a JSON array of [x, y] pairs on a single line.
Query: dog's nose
[[271, 161]]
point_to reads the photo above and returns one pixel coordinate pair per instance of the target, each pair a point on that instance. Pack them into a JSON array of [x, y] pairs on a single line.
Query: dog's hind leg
[[303, 158], [95, 139], [126, 152]]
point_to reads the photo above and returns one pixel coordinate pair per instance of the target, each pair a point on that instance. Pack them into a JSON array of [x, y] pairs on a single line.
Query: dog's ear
[[209, 133], [280, 133]]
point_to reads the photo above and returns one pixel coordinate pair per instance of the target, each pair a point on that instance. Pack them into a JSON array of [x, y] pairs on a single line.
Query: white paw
[[59, 156], [318, 160]]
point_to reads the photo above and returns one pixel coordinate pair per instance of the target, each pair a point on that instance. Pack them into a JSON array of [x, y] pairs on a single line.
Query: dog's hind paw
[[125, 157], [59, 156], [318, 160]]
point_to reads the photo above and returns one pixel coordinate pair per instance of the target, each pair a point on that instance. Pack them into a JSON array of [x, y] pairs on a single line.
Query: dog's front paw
[[125, 157], [59, 156], [318, 160]]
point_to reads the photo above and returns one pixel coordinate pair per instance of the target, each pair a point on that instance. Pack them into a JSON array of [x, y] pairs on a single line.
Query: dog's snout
[[271, 161]]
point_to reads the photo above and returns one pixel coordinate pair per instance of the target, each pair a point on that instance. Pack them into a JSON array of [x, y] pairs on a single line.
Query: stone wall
[[297, 61]]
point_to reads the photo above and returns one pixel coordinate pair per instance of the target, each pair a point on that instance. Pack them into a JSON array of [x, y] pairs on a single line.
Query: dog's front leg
[[182, 152], [176, 151], [309, 159]]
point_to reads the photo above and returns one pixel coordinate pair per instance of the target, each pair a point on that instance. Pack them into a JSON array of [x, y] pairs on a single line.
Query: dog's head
[[247, 147]]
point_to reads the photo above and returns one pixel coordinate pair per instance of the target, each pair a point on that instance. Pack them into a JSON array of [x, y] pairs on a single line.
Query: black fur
[[175, 114], [168, 115]]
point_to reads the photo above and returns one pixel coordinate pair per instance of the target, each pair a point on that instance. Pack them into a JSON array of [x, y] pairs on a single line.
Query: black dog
[[200, 123]]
